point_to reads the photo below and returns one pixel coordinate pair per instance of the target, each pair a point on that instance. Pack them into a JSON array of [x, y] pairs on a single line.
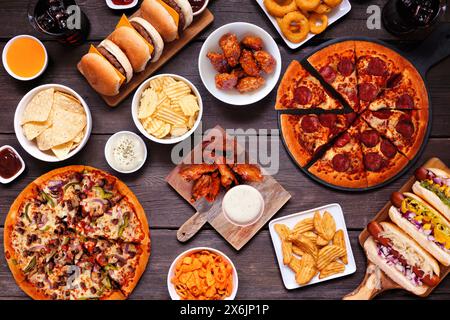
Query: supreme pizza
[[77, 233], [353, 113]]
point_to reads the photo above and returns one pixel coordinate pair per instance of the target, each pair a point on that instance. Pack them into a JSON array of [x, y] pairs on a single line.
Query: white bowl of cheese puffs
[[167, 108]]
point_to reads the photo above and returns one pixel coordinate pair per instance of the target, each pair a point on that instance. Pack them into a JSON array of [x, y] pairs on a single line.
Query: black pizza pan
[[432, 50]]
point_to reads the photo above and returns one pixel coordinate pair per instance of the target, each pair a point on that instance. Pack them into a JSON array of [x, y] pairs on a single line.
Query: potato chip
[[157, 84], [304, 225], [305, 244], [318, 223], [331, 269], [192, 120], [148, 103], [307, 270], [152, 125], [339, 241], [329, 254], [329, 226], [62, 150], [295, 265], [178, 130], [169, 116], [321, 241], [32, 129], [297, 251], [176, 90], [164, 131], [311, 236], [189, 105], [38, 109], [282, 231], [286, 249]]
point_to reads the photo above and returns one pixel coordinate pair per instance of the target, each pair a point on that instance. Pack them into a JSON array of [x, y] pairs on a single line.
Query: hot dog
[[376, 230], [433, 185], [423, 223], [401, 258]]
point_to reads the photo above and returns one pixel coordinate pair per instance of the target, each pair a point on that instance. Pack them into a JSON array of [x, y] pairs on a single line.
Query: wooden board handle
[[370, 286], [191, 227]]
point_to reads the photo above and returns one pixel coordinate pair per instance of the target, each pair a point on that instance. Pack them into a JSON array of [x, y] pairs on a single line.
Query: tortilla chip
[[66, 126], [79, 137], [62, 150], [68, 102], [38, 109], [32, 129]]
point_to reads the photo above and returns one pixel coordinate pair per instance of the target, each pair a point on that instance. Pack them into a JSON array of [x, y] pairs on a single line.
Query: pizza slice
[[375, 64], [305, 135], [300, 90], [405, 128], [336, 63], [404, 91], [381, 158], [342, 164]]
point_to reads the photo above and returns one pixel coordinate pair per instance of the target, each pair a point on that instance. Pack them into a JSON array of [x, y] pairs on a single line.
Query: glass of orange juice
[[25, 57]]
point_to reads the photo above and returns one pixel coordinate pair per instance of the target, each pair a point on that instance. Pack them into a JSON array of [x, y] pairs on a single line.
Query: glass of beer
[[406, 16], [61, 19]]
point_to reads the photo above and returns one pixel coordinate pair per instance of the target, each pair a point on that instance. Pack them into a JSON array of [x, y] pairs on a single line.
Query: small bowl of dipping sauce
[[24, 57], [125, 152], [243, 205], [11, 164], [198, 6]]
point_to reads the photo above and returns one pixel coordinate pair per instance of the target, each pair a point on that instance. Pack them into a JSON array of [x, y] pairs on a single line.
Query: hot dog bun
[[418, 236], [372, 254]]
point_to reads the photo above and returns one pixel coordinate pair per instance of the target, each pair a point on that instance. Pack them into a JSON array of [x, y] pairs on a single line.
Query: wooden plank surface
[[256, 263]]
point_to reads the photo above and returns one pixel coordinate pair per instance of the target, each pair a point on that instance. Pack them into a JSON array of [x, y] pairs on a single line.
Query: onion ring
[[322, 9], [308, 5], [279, 10], [295, 26], [332, 3], [318, 23]]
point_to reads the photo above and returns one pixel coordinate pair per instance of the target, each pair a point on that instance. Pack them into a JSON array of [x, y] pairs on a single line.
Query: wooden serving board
[[170, 49], [275, 196], [376, 281]]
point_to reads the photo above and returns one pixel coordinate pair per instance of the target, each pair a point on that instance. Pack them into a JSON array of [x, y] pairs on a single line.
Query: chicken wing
[[226, 81], [266, 62], [248, 172], [219, 62], [195, 171], [231, 48], [201, 187], [214, 188], [248, 63], [252, 43], [227, 177], [248, 84]]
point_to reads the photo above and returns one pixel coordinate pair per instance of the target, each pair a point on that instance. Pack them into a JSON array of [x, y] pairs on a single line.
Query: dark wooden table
[[259, 276]]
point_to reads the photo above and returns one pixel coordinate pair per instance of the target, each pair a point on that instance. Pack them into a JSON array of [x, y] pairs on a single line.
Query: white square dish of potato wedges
[[290, 221]]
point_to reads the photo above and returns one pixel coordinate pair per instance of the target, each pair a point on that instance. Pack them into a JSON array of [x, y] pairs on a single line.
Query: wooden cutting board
[[275, 196], [375, 280], [170, 49]]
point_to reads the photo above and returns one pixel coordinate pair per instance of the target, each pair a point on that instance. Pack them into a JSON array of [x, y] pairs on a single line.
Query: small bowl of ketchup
[[11, 164], [121, 4], [198, 6]]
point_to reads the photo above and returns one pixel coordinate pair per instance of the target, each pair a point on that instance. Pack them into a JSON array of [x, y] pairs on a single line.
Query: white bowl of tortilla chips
[[52, 122]]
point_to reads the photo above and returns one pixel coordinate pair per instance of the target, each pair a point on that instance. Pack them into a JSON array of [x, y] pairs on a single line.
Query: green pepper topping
[[110, 266], [102, 193], [25, 211], [123, 225], [106, 282], [65, 241], [30, 265], [48, 198]]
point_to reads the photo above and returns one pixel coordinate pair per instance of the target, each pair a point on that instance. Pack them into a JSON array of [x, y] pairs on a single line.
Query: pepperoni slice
[[405, 128], [310, 124], [302, 95], [394, 80], [345, 67], [405, 101], [341, 162], [388, 149], [343, 140], [382, 114], [328, 74], [350, 117], [367, 91], [373, 161], [327, 119], [376, 67], [370, 138]]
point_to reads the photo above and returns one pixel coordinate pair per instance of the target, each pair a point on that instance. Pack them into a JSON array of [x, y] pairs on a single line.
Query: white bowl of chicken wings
[[239, 63]]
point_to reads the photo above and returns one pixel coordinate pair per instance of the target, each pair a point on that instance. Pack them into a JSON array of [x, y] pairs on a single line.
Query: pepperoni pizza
[[376, 125]]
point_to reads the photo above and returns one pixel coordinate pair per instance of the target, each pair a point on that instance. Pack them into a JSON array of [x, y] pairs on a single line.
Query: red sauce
[[196, 4], [9, 163], [122, 2]]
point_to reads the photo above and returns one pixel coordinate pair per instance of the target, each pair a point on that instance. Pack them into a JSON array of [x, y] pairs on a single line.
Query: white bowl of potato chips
[[167, 108], [52, 122]]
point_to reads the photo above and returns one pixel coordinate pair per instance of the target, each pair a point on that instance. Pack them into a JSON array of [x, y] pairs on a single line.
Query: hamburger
[[150, 34], [106, 68], [169, 17]]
